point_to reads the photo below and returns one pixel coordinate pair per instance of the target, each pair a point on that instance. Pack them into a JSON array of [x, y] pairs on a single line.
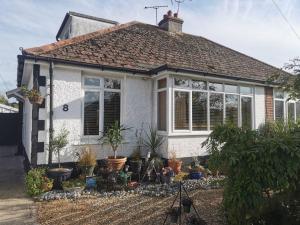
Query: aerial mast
[[156, 7]]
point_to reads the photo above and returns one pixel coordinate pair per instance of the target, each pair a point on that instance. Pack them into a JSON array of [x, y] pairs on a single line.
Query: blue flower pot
[[196, 175]]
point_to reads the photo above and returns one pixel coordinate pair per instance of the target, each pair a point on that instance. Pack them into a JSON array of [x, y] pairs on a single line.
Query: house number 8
[[65, 107]]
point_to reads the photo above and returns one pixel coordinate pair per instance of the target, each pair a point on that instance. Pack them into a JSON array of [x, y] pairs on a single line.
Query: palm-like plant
[[114, 136], [153, 141], [59, 142]]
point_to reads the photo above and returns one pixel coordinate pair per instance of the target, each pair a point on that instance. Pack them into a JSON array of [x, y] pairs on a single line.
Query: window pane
[[92, 82], [291, 111], [279, 94], [246, 90], [298, 110], [231, 88], [112, 84], [279, 110], [246, 108], [231, 113], [162, 83], [215, 87], [91, 113], [216, 109], [199, 110], [181, 82], [181, 110], [161, 111], [111, 109], [197, 84]]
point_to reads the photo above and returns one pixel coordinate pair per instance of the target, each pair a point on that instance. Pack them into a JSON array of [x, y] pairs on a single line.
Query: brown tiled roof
[[145, 47]]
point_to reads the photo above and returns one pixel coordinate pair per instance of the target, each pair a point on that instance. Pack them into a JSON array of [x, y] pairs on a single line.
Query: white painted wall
[[136, 110]]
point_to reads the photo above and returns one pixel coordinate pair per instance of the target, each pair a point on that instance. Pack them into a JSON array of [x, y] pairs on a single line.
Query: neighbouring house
[[7, 109], [141, 75]]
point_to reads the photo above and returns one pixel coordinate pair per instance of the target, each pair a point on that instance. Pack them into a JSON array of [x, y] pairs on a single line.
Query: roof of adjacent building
[[144, 47], [82, 16]]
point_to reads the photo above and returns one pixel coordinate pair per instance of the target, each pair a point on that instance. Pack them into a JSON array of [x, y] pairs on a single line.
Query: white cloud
[[253, 27]]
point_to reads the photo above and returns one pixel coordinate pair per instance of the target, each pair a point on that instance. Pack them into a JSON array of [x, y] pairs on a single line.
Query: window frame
[[157, 90], [100, 89]]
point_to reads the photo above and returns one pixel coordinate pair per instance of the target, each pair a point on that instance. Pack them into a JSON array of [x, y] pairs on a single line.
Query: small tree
[[114, 136], [289, 84], [58, 143]]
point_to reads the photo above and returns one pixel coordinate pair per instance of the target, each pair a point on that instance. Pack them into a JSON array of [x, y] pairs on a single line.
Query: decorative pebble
[[153, 190]]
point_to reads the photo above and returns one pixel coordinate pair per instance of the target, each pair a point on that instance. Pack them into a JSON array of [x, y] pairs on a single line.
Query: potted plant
[[77, 185], [114, 137], [87, 161], [174, 163], [196, 171], [56, 145], [174, 214], [186, 203], [33, 95]]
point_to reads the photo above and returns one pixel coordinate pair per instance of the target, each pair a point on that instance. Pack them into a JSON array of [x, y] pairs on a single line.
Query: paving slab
[[16, 207]]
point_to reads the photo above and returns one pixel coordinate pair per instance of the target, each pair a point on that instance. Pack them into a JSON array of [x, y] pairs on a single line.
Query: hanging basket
[[36, 100]]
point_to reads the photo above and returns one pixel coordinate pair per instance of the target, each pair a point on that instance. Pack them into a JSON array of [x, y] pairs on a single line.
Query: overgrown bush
[[36, 182], [263, 170]]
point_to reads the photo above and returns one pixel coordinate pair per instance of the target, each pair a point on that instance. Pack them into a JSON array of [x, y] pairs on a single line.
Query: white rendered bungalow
[[140, 75]]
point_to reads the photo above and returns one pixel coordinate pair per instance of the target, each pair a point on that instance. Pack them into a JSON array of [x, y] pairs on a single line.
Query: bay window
[[99, 115], [211, 104]]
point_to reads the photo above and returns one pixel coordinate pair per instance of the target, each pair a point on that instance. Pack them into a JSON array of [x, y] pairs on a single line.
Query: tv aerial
[[156, 7], [179, 2]]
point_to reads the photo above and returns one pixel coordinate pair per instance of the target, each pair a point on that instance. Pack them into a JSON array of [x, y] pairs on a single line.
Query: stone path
[[15, 207]]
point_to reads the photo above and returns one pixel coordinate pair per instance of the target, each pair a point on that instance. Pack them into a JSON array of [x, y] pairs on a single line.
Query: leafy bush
[[262, 167], [36, 182]]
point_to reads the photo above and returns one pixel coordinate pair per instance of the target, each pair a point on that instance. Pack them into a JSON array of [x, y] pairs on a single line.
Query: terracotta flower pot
[[116, 164], [175, 165]]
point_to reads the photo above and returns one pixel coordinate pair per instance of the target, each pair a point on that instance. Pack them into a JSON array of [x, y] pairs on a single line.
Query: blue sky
[[253, 27]]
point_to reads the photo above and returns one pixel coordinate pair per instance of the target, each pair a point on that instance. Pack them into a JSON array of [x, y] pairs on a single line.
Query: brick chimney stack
[[171, 22]]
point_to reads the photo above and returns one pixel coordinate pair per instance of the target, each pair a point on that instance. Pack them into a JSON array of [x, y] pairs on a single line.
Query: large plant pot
[[175, 165], [59, 175], [196, 175], [87, 170], [116, 164]]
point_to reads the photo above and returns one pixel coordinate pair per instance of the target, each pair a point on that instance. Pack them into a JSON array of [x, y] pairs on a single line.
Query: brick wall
[[269, 104]]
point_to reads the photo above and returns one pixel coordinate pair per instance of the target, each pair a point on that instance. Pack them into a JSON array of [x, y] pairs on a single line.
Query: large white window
[[200, 105], [99, 115], [285, 109]]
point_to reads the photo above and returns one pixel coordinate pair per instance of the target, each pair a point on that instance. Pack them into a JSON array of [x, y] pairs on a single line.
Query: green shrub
[[36, 182], [262, 168]]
